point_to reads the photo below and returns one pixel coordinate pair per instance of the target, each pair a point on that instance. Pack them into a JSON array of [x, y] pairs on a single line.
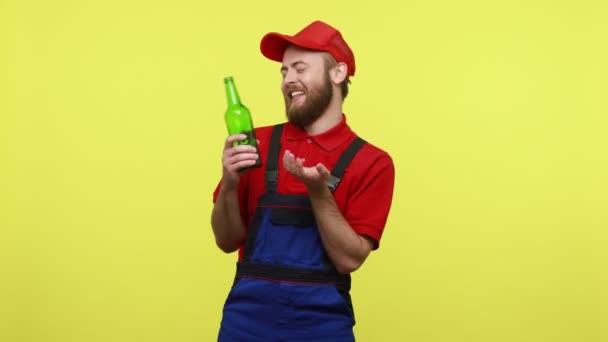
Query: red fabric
[[317, 36], [364, 195]]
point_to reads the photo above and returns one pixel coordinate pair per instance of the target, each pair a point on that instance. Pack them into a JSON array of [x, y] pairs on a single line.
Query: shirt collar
[[328, 140]]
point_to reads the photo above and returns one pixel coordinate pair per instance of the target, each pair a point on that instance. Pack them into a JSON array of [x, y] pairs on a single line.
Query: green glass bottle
[[238, 119]]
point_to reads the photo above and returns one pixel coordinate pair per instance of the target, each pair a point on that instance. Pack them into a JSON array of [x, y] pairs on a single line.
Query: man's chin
[[301, 121], [296, 120]]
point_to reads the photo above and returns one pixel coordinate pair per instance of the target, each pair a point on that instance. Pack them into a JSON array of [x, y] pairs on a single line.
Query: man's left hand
[[313, 177]]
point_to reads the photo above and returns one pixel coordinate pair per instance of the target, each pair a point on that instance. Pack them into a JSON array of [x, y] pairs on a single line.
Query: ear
[[339, 73]]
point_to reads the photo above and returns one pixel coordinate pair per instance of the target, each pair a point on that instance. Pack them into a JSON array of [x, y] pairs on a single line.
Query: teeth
[[296, 93]]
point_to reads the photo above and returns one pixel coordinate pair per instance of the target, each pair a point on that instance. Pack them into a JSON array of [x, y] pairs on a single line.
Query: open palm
[[312, 176]]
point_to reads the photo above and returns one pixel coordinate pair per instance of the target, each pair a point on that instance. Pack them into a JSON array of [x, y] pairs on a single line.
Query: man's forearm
[[346, 249], [226, 221]]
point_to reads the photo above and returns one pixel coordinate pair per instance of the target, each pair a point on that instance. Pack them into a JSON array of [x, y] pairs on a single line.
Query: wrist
[[229, 185], [318, 190]]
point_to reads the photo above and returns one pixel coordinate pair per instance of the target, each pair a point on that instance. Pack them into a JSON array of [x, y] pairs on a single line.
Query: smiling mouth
[[295, 96], [296, 93]]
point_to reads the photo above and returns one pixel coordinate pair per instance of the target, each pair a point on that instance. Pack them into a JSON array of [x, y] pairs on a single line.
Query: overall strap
[[272, 162], [347, 156]]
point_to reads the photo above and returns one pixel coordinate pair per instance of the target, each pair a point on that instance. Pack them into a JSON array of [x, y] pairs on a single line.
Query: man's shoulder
[[371, 159], [265, 131], [371, 150], [374, 153]]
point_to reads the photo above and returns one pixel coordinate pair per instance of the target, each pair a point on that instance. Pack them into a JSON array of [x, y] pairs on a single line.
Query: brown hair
[[331, 62]]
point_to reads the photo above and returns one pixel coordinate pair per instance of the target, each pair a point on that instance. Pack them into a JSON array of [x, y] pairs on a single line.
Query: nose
[[290, 77]]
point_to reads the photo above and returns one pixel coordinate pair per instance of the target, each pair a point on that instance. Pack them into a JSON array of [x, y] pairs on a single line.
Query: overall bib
[[286, 288]]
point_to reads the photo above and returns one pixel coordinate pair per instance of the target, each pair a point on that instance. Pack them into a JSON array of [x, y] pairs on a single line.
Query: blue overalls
[[286, 288]]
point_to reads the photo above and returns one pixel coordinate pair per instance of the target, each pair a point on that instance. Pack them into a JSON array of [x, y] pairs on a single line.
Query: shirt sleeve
[[369, 203]]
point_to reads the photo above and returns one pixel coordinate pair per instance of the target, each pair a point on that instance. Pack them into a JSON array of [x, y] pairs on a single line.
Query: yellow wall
[[111, 133]]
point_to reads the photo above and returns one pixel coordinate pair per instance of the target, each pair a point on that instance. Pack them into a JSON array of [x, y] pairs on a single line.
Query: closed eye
[[299, 67]]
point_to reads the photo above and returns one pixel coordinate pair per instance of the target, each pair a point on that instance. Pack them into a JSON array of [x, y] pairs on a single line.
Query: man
[[315, 209]]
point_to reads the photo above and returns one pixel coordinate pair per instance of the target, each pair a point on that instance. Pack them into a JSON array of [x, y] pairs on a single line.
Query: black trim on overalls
[[291, 274]]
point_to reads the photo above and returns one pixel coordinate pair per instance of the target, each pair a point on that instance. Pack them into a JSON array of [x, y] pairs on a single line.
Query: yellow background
[[111, 131]]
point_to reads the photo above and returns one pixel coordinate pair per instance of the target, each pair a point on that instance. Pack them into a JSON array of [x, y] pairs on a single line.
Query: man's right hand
[[235, 158]]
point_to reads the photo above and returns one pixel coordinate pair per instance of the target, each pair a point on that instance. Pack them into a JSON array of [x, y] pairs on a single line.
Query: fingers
[[308, 175], [289, 161], [237, 161], [292, 164], [323, 171], [237, 157], [291, 158], [236, 138]]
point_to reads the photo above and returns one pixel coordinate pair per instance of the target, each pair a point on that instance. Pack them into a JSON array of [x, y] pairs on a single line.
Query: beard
[[316, 101]]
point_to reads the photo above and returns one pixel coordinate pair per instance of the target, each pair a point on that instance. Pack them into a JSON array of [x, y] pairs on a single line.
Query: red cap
[[317, 36]]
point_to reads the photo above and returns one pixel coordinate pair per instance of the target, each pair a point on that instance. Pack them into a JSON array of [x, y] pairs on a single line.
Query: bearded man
[[314, 211]]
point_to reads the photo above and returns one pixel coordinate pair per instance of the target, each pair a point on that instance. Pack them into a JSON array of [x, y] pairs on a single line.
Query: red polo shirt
[[364, 194]]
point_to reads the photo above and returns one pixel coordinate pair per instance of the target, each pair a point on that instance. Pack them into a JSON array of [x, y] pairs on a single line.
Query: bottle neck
[[231, 94]]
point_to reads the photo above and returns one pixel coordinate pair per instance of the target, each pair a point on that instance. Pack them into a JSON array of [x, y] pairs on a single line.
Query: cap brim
[[273, 45]]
